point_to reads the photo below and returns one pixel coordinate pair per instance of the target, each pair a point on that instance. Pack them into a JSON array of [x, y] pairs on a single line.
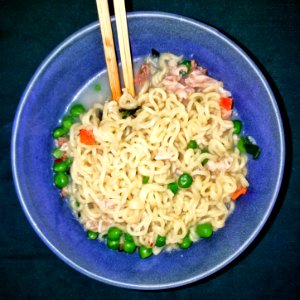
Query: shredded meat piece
[[166, 154], [220, 166], [181, 94], [194, 66], [103, 224], [64, 192], [176, 71], [185, 101], [91, 225], [150, 240], [224, 92], [181, 90], [61, 140], [182, 86], [143, 74], [198, 172], [225, 114], [178, 172], [110, 205], [196, 79], [171, 83], [107, 204], [208, 136], [161, 155], [176, 81]]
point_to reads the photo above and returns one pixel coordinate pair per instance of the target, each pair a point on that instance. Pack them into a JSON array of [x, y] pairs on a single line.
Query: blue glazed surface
[[52, 88]]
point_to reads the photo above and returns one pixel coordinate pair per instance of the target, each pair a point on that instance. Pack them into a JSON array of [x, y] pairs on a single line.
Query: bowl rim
[[72, 38]]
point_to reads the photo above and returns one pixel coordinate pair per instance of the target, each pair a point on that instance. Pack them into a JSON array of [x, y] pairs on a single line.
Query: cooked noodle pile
[[107, 187]]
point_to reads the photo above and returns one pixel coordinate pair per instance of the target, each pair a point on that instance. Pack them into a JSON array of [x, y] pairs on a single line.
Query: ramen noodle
[[159, 170]]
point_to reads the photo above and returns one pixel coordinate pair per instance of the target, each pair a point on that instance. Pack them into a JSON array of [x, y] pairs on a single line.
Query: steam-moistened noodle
[[128, 157]]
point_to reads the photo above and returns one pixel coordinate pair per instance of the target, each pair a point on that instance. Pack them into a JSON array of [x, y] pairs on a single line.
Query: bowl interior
[[54, 85]]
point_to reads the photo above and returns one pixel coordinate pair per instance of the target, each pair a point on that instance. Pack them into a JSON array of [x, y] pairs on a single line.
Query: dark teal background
[[269, 31]]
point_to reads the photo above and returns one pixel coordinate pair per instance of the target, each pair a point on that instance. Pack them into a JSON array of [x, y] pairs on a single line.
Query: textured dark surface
[[269, 31]]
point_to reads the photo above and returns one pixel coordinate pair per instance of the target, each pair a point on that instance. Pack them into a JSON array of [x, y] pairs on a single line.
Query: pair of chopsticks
[[109, 48]]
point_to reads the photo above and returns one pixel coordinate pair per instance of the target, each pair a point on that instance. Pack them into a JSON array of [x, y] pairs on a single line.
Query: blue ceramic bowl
[[64, 72]]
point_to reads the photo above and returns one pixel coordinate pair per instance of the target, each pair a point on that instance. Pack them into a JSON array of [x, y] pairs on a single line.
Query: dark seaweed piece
[[128, 112], [100, 114], [254, 150], [249, 147], [155, 53]]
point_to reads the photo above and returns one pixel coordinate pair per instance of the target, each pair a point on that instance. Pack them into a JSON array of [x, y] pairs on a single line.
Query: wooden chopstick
[[109, 49], [123, 39]]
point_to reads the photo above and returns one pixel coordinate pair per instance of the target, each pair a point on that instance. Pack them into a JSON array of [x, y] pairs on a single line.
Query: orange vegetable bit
[[226, 103], [87, 137], [238, 193]]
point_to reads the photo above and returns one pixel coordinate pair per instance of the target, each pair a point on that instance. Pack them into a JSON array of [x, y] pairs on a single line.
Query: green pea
[[76, 110], [129, 247], [61, 180], [113, 244], [204, 230], [185, 180], [60, 166], [57, 153], [145, 179], [97, 87], [173, 187], [237, 126], [68, 161], [145, 252], [192, 144], [128, 237], [160, 241], [114, 233], [77, 203], [58, 132], [186, 243], [67, 122], [92, 235], [204, 161]]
